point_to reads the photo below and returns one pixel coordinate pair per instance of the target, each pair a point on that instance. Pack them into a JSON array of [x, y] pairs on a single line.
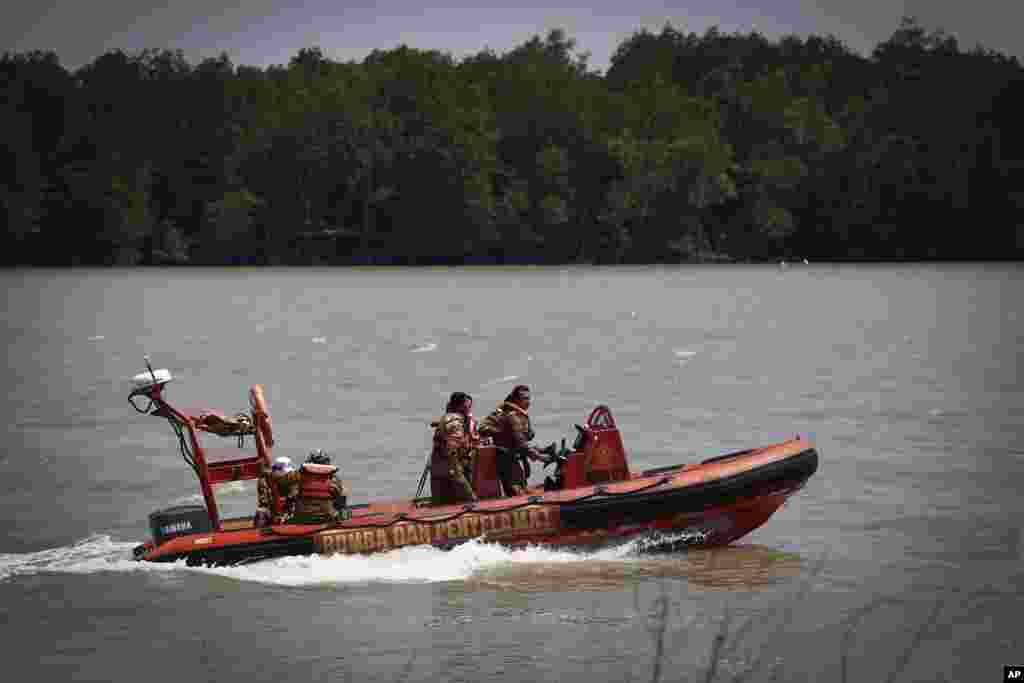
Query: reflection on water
[[732, 568]]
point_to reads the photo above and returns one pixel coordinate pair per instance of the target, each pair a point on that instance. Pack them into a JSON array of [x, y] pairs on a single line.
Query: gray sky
[[263, 32]]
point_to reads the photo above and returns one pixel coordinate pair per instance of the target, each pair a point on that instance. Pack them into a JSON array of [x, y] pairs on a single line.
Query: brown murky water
[[733, 568], [901, 560]]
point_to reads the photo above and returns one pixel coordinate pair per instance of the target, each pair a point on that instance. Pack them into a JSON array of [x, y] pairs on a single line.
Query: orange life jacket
[[315, 482]]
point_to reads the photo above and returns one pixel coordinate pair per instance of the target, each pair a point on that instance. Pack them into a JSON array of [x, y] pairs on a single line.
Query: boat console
[[597, 456]]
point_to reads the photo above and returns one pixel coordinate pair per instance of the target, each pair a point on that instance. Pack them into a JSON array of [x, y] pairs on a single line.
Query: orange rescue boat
[[594, 498]]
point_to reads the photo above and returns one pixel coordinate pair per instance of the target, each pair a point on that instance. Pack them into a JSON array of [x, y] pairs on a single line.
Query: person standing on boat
[[509, 427], [455, 445], [321, 494]]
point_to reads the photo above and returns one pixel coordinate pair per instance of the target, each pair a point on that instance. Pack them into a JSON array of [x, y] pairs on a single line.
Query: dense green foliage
[[689, 148]]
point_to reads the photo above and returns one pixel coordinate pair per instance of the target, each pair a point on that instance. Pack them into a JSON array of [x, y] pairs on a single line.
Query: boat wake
[[88, 556], [480, 566], [230, 488], [414, 564]]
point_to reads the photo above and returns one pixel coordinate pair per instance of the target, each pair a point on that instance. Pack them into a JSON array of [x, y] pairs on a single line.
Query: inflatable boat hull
[[700, 505]]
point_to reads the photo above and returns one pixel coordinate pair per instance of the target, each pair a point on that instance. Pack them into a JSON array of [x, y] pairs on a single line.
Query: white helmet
[[282, 464]]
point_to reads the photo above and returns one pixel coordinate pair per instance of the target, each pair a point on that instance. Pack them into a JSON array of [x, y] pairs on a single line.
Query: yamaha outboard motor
[[180, 520]]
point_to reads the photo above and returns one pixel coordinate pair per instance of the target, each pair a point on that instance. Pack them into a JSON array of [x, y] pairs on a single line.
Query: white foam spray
[[231, 488], [228, 488], [414, 564], [89, 556], [500, 380]]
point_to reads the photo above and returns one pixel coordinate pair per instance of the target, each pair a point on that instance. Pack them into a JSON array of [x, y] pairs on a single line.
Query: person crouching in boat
[[287, 493], [269, 511], [455, 446], [509, 427], [321, 495]]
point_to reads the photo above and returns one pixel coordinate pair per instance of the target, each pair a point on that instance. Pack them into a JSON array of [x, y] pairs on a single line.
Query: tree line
[[689, 148]]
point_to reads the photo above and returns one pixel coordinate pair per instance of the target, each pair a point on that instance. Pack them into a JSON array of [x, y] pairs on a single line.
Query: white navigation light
[[145, 380]]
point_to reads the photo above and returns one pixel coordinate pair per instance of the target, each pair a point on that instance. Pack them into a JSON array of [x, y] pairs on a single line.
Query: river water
[[901, 560]]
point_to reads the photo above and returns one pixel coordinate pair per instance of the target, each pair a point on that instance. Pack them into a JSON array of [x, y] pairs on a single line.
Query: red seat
[[484, 476], [604, 457], [485, 473]]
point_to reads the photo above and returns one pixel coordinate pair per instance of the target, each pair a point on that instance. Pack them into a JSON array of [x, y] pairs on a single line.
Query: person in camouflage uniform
[[509, 427], [456, 437], [264, 502]]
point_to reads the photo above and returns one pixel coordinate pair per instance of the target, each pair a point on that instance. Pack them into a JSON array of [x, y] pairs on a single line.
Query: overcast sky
[[264, 32]]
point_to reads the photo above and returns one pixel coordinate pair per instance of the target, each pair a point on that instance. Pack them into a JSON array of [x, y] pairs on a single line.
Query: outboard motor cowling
[[180, 520]]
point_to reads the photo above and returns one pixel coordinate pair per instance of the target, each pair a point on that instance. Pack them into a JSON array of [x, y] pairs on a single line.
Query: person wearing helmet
[[509, 427], [321, 495], [287, 493], [319, 457], [268, 510], [455, 446]]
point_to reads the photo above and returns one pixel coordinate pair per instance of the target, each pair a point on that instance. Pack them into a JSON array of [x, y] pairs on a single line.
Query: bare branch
[[851, 623], [407, 669], [918, 637], [787, 617], [658, 632], [716, 646]]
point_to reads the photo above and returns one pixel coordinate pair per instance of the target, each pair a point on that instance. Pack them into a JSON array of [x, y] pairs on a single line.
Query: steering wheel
[[581, 437]]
